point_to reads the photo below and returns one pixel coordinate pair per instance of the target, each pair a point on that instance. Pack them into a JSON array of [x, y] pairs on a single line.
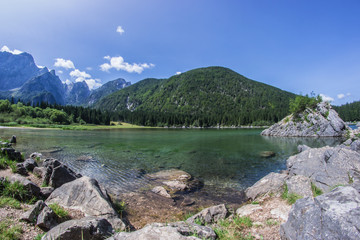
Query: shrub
[[60, 212], [300, 103]]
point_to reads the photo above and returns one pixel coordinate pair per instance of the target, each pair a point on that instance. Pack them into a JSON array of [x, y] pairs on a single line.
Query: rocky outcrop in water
[[323, 121], [334, 215]]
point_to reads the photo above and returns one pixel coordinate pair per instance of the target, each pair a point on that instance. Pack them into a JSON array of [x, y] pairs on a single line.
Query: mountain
[[21, 78], [77, 93], [219, 94], [106, 89], [16, 69]]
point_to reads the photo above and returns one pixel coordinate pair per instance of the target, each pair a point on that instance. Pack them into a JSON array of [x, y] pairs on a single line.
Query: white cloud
[[67, 64], [119, 64], [326, 98], [80, 76], [120, 30], [67, 82], [60, 72], [93, 83], [177, 73], [89, 68], [6, 49], [340, 96]]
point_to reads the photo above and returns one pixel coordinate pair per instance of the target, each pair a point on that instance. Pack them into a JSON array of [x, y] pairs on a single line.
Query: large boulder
[[89, 228], [32, 187], [300, 185], [209, 215], [323, 121], [153, 231], [85, 194], [32, 214], [12, 154], [47, 219], [334, 215], [30, 164], [326, 167], [271, 183], [57, 174]]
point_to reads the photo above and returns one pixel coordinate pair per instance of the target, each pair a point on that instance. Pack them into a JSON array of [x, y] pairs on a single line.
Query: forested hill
[[349, 112], [214, 95]]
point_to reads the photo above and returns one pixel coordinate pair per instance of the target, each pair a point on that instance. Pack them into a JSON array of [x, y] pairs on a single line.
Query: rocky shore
[[316, 197]]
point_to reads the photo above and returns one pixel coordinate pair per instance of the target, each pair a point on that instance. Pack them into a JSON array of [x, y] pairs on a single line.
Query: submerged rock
[[323, 121], [267, 154], [334, 215]]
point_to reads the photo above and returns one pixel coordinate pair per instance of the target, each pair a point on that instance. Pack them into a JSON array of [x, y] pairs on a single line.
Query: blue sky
[[298, 46]]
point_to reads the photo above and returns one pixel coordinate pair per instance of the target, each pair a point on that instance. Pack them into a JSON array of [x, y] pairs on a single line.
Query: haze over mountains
[[21, 78]]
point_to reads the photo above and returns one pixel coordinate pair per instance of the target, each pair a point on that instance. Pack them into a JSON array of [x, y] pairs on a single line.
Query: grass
[[290, 197], [9, 231], [60, 212], [337, 185], [120, 207], [16, 191], [271, 222], [233, 229], [39, 236], [5, 162], [9, 202], [315, 190]]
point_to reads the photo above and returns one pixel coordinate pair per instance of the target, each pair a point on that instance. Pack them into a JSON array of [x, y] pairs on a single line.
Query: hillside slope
[[218, 93]]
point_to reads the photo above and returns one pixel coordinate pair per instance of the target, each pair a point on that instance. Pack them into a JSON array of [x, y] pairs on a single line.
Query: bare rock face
[[326, 167], [210, 215], [85, 194], [300, 185], [90, 228], [153, 231], [334, 215], [321, 122], [271, 183]]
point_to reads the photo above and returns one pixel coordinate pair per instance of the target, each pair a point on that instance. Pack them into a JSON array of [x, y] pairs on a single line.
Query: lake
[[225, 158]]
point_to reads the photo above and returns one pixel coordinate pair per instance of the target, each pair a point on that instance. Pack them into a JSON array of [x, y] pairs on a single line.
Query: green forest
[[349, 112]]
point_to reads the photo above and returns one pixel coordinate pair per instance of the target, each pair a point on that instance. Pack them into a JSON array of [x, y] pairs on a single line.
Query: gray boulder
[[153, 231], [334, 215], [30, 164], [271, 183], [20, 169], [57, 174], [161, 191], [85, 194], [323, 121], [13, 139], [302, 148], [32, 187], [209, 215], [300, 185], [39, 171], [47, 219], [46, 191], [326, 167], [32, 214], [89, 228], [36, 155], [188, 229], [12, 154]]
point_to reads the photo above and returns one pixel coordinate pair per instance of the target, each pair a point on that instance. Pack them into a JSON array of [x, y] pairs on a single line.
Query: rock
[[46, 191], [334, 215], [13, 139], [161, 191], [32, 187], [30, 164], [36, 155], [320, 122], [47, 219], [39, 171], [188, 229], [302, 148], [300, 185], [152, 231], [12, 154], [176, 180], [89, 228], [326, 167], [248, 209], [57, 174], [20, 169], [5, 144], [187, 202], [271, 183], [281, 211], [209, 215], [267, 154], [32, 214], [85, 194]]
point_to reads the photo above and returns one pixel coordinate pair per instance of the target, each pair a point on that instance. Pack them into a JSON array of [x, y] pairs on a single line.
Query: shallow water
[[225, 158]]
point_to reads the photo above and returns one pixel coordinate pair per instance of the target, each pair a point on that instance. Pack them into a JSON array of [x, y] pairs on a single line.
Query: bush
[[300, 103]]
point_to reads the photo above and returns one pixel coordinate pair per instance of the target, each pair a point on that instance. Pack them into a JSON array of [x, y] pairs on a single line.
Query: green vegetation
[[292, 197], [337, 185], [300, 103], [200, 98], [233, 229], [349, 112], [16, 191], [60, 212], [9, 231], [5, 162], [120, 207], [39, 236], [9, 202], [43, 115], [271, 222], [315, 190]]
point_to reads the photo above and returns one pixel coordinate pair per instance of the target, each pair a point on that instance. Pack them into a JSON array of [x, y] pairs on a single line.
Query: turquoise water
[[225, 158]]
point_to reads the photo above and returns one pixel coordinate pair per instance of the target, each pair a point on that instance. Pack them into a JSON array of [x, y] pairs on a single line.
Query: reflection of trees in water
[[311, 142]]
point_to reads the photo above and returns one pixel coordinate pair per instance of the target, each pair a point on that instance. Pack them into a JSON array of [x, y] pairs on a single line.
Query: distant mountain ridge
[[21, 78], [219, 94]]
